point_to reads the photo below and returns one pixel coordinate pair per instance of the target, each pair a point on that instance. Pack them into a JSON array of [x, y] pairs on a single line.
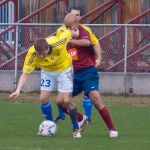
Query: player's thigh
[[68, 100], [65, 81], [59, 98], [64, 97], [48, 81], [77, 87], [67, 97], [91, 82]]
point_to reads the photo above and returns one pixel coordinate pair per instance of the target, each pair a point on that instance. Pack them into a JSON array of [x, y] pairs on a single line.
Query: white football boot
[[113, 134], [77, 133], [82, 123]]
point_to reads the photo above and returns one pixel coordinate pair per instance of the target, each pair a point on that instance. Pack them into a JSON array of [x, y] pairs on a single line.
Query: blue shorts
[[86, 80]]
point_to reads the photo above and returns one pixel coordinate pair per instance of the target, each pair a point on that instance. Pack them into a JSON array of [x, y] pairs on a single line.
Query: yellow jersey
[[93, 38], [57, 60]]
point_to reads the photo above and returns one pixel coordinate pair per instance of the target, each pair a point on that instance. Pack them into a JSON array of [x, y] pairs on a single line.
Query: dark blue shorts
[[85, 80]]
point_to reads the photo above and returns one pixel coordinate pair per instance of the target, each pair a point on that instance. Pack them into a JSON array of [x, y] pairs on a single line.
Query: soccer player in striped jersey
[[51, 55]]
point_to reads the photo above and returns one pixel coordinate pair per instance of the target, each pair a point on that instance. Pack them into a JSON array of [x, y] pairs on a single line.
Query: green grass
[[19, 121]]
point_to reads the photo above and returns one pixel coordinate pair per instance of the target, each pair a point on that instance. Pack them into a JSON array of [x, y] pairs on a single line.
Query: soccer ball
[[47, 128]]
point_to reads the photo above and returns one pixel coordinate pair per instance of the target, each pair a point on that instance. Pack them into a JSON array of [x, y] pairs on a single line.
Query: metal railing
[[127, 50]]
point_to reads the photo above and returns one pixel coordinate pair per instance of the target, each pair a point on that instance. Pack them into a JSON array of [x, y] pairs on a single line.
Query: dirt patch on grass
[[22, 97], [129, 100]]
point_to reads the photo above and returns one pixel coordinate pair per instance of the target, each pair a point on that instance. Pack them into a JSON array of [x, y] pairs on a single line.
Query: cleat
[[59, 119], [113, 134], [77, 133], [88, 120], [82, 123]]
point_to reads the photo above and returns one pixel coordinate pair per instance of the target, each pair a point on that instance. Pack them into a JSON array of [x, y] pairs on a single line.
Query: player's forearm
[[97, 50], [81, 42], [22, 81]]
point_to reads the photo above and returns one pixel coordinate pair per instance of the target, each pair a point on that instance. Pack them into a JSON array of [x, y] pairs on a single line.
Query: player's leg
[[46, 108], [47, 85], [81, 118], [61, 115], [87, 105], [72, 110], [77, 88], [103, 111], [65, 88], [91, 86]]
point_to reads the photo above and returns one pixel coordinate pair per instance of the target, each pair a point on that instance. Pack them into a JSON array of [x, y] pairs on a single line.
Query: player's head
[[42, 48], [77, 11], [70, 21]]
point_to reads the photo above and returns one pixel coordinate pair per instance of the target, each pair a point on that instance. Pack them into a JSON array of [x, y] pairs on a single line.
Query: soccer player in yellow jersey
[[51, 55], [87, 104]]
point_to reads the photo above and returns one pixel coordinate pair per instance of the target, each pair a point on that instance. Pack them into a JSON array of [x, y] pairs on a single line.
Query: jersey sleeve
[[29, 63], [94, 40], [84, 34], [60, 30], [66, 35]]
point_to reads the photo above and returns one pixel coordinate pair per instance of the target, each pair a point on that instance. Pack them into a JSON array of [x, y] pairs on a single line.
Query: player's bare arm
[[97, 50], [22, 81], [80, 42]]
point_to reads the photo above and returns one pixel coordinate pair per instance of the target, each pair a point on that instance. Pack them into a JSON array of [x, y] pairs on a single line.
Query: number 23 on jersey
[[45, 83]]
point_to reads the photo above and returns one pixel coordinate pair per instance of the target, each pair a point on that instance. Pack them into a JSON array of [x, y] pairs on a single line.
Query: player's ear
[[50, 49]]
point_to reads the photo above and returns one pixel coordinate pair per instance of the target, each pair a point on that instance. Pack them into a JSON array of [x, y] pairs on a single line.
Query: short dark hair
[[82, 10], [41, 45]]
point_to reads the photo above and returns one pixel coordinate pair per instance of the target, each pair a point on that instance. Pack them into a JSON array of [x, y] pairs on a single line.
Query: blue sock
[[87, 105], [47, 111], [60, 112]]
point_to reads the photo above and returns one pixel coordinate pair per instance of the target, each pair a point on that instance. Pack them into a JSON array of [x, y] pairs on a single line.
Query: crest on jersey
[[73, 53]]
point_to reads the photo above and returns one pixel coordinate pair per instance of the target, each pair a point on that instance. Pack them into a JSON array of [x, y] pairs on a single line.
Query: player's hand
[[75, 32], [97, 63], [14, 95]]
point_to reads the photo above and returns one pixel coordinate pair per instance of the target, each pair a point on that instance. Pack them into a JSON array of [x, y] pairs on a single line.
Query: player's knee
[[44, 100], [70, 104], [94, 95], [66, 102], [96, 98]]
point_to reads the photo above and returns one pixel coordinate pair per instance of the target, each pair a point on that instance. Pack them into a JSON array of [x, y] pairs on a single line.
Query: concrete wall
[[118, 83], [7, 81], [111, 83]]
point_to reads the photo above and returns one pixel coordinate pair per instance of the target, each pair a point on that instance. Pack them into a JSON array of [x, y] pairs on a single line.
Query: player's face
[[72, 25], [77, 13]]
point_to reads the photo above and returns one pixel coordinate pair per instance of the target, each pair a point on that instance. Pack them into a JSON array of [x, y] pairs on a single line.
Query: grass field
[[19, 121]]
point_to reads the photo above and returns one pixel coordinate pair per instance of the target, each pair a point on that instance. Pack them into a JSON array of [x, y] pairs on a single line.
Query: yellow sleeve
[[29, 63], [60, 30], [94, 40], [66, 35]]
